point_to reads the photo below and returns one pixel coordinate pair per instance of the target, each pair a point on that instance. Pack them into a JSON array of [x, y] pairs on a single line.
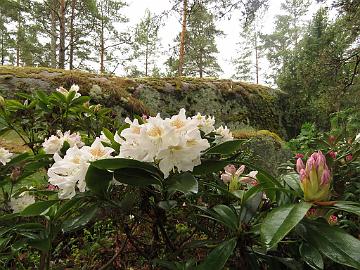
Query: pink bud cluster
[[315, 177]]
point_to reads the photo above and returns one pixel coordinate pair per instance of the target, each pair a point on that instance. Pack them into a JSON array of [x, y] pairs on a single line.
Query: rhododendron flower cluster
[[5, 155], [69, 172], [315, 177], [173, 143], [53, 144]]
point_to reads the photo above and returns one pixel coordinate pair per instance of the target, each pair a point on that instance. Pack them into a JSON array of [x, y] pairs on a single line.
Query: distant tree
[[221, 8], [249, 52], [200, 46], [288, 30], [146, 42], [107, 37]]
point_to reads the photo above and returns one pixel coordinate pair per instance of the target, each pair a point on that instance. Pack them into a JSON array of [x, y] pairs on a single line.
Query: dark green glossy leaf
[[38, 208], [218, 257], [210, 166], [184, 182], [226, 148], [332, 242], [311, 256], [167, 205], [351, 207], [280, 221], [81, 220], [98, 180], [136, 177], [121, 163]]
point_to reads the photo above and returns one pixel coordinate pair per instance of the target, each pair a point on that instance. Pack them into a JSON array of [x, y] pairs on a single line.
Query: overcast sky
[[226, 45]]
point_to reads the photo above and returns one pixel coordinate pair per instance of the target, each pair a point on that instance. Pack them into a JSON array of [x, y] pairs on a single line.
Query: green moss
[[235, 104]]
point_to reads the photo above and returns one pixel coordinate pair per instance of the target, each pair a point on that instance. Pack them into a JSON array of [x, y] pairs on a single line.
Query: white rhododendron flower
[[74, 88], [223, 134], [5, 155], [172, 142], [54, 143], [69, 172], [204, 123], [357, 138], [20, 203]]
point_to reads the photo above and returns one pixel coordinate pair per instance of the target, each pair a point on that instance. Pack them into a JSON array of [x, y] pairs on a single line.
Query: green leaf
[[293, 181], [167, 205], [184, 182], [311, 256], [222, 214], [81, 220], [351, 207], [225, 148], [279, 222], [42, 244], [218, 257], [80, 100], [98, 180], [332, 242], [68, 205], [38, 208], [210, 166], [136, 177], [121, 163], [108, 134]]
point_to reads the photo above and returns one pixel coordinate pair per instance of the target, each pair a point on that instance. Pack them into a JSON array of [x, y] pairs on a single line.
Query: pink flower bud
[[349, 157], [332, 154], [299, 165], [325, 178], [299, 155], [52, 187], [240, 170], [303, 174], [231, 169], [321, 160], [311, 162], [311, 212], [144, 117], [226, 178], [332, 220]]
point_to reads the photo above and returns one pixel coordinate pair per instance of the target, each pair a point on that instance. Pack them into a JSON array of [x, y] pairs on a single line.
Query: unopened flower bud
[[299, 165], [349, 157], [332, 220], [15, 174], [332, 154]]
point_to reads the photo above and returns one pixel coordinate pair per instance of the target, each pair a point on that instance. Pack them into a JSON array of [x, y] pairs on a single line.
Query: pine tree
[[288, 30], [200, 46], [146, 42], [107, 38]]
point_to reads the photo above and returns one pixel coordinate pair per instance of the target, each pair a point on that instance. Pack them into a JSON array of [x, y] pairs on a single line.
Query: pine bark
[[72, 35], [62, 35], [53, 35], [182, 39]]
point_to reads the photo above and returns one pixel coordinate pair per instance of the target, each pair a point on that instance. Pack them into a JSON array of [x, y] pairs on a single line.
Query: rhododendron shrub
[[179, 191]]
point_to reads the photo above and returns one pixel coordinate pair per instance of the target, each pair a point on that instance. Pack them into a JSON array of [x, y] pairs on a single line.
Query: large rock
[[234, 104]]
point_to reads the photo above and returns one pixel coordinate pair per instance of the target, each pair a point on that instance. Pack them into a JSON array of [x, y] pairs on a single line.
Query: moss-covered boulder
[[234, 104]]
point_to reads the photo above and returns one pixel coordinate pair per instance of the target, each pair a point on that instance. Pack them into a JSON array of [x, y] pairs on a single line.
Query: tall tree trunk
[[146, 59], [201, 66], [53, 35], [256, 58], [102, 47], [72, 34], [2, 49], [18, 33], [182, 39], [62, 35]]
